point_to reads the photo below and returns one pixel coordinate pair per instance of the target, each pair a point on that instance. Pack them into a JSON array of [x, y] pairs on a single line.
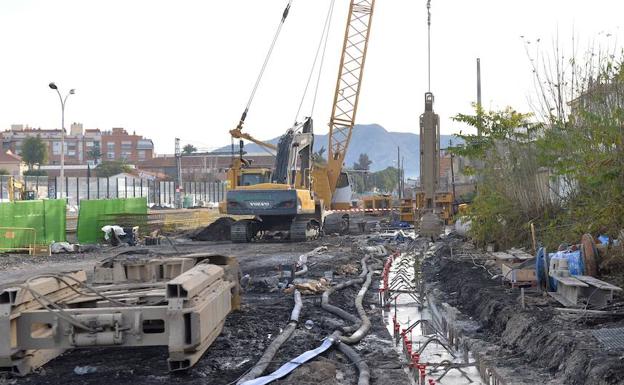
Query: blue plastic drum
[[540, 271]]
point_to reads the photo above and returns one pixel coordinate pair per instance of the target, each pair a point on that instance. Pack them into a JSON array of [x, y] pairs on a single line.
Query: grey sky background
[[166, 68]]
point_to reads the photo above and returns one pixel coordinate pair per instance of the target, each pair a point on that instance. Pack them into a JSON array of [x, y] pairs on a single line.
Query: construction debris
[[82, 370], [117, 235], [348, 269], [63, 247], [309, 286]]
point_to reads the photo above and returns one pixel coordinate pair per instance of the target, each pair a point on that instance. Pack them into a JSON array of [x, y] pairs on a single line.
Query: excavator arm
[[348, 86], [237, 133]]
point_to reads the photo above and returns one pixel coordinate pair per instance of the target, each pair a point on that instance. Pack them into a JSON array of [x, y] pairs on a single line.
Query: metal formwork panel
[[61, 331], [610, 338]]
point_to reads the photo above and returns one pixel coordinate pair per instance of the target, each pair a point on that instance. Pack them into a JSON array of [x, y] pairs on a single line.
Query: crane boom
[[348, 85]]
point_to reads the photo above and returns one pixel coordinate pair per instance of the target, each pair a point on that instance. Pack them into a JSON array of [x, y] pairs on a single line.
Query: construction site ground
[[530, 345], [537, 344], [265, 312]]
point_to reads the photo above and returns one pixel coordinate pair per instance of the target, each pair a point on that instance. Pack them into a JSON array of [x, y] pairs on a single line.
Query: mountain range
[[379, 144]]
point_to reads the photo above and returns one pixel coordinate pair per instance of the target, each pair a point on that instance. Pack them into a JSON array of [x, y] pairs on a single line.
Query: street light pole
[[53, 86]]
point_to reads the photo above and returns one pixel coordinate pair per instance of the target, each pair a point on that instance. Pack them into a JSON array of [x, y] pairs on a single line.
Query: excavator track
[[304, 230], [242, 231]]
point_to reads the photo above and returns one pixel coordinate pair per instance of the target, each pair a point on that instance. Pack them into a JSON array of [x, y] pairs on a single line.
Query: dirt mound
[[218, 230]]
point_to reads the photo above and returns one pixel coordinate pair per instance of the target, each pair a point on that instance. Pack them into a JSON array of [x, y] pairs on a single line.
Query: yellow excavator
[[18, 192], [299, 192]]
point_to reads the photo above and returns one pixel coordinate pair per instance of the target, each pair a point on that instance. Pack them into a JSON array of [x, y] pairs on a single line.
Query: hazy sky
[[166, 68]]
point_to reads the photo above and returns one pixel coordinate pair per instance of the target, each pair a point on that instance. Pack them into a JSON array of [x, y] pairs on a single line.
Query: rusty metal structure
[[429, 152], [137, 299], [427, 200], [433, 206]]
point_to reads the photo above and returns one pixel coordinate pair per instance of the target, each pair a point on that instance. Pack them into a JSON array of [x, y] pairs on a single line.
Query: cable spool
[[590, 255]]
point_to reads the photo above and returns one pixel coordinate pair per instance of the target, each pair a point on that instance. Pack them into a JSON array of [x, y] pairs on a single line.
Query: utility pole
[[402, 176], [452, 171], [53, 86], [479, 95], [178, 190], [399, 171]]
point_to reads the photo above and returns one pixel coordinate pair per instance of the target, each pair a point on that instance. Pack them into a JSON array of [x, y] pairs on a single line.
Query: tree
[[579, 99], [4, 171], [363, 163], [561, 168], [106, 169], [504, 160], [95, 153], [35, 173], [318, 158], [34, 151], [357, 183], [386, 180], [361, 180], [189, 149]]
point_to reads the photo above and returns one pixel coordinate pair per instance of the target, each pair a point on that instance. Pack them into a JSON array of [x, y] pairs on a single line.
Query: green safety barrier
[[96, 213], [26, 223]]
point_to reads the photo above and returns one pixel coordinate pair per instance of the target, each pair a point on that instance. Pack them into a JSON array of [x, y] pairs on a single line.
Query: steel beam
[[187, 315]]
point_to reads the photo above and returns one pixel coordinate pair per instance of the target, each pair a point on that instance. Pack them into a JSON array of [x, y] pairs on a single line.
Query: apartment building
[[82, 146], [210, 166], [118, 144], [12, 164]]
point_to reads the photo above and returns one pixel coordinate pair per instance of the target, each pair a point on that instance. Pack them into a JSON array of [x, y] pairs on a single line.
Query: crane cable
[[429, 43], [318, 79], [266, 61], [321, 44]]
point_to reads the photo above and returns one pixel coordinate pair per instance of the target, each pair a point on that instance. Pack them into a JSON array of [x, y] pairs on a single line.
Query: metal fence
[[158, 193]]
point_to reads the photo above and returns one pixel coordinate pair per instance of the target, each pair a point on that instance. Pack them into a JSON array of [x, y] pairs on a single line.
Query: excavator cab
[[254, 176]]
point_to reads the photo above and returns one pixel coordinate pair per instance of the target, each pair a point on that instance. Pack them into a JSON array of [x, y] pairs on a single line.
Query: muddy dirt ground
[[534, 345], [537, 344], [265, 311]]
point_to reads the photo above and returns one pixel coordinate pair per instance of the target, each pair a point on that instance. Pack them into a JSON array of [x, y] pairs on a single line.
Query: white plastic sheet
[[291, 365]]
